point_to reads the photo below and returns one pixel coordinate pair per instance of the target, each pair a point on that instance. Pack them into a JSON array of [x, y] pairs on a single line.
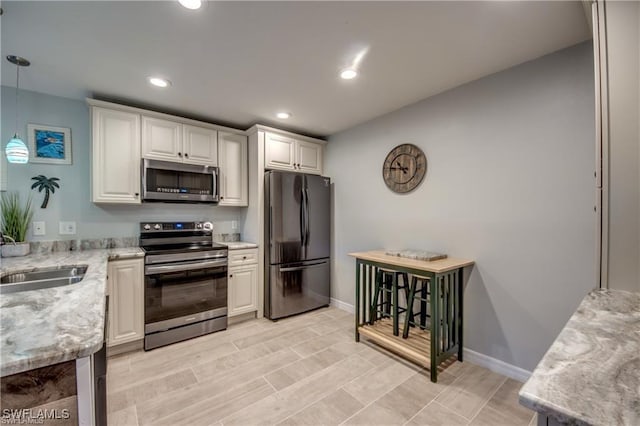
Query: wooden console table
[[425, 347]]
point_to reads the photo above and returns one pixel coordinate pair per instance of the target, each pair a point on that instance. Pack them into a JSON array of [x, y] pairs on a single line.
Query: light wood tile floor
[[305, 370]]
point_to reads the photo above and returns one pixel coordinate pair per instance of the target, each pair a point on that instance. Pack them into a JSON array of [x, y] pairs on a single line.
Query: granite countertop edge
[[49, 326], [239, 245], [595, 356]]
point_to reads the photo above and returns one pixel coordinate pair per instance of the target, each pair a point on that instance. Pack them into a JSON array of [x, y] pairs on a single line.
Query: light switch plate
[[39, 228], [67, 228], [234, 224]]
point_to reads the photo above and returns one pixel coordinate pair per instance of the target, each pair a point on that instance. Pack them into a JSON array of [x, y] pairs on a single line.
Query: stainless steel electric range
[[185, 282]]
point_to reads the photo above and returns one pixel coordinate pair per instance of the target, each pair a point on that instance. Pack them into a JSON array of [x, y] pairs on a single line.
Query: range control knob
[[147, 227], [198, 226], [157, 227], [208, 226]]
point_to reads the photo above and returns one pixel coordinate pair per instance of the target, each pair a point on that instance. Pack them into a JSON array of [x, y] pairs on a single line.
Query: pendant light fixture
[[16, 150]]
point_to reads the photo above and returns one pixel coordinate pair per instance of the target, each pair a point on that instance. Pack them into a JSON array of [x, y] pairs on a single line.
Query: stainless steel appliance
[[297, 233], [185, 282], [177, 182]]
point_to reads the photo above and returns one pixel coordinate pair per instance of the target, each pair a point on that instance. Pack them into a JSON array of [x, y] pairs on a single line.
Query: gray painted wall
[[73, 201], [623, 55], [509, 185]]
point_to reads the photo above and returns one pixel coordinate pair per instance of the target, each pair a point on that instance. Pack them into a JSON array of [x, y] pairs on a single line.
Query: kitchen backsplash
[[102, 243]]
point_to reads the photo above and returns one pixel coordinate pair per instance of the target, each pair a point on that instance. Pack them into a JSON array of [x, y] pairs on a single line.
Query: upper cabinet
[[309, 156], [172, 141], [232, 150], [115, 156], [279, 152], [293, 154], [200, 145]]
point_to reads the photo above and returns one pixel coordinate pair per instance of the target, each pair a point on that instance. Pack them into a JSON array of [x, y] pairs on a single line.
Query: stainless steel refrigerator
[[297, 239]]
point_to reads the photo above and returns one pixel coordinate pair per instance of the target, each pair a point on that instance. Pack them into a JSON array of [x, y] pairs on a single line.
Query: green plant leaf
[[15, 219]]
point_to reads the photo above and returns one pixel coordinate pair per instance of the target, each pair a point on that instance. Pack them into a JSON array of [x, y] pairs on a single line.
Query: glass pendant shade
[[16, 151]]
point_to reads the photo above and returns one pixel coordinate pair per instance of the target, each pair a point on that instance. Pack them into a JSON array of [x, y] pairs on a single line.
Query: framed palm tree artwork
[[49, 144]]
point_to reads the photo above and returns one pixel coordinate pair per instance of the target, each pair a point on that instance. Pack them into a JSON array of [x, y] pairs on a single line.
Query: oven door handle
[[187, 266]]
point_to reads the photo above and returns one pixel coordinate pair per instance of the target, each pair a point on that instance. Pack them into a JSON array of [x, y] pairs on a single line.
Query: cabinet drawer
[[243, 257]]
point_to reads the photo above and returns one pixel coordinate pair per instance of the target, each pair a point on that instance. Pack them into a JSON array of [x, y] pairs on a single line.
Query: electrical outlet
[[39, 228], [67, 228], [234, 224]]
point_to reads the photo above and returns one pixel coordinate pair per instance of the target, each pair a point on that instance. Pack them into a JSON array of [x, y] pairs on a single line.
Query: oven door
[[183, 293]]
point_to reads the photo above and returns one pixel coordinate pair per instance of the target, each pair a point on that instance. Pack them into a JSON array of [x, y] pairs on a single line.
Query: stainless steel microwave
[[179, 183]]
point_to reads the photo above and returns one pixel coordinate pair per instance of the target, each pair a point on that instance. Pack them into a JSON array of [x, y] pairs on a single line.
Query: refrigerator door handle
[[306, 203], [270, 225], [303, 218], [300, 268]]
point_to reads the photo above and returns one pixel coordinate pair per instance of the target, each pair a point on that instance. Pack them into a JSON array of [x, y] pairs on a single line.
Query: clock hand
[[404, 169]]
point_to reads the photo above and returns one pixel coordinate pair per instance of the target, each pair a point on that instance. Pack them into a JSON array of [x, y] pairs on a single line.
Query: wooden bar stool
[[388, 306], [420, 285]]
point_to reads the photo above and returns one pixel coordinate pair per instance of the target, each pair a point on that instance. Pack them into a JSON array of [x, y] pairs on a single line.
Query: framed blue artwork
[[49, 144]]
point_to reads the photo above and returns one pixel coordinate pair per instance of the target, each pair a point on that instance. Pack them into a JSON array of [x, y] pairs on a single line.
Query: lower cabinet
[[126, 301], [243, 284]]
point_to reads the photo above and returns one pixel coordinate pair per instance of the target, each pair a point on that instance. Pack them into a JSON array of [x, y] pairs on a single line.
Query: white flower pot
[[14, 250]]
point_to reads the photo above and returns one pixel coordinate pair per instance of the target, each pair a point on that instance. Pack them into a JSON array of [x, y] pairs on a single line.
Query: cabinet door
[[243, 286], [115, 171], [309, 157], [126, 301], [279, 152], [234, 189], [161, 139], [200, 145]]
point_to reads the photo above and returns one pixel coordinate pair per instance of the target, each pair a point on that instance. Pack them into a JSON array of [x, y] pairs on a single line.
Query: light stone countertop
[[48, 326], [591, 373], [239, 245]]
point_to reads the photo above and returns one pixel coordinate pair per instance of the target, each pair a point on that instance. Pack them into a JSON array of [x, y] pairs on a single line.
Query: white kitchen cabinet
[[243, 281], [288, 153], [309, 157], [234, 182], [279, 152], [126, 301], [200, 145], [161, 139], [172, 141], [115, 170]]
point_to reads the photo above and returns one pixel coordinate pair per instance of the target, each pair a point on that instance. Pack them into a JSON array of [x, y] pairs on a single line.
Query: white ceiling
[[240, 62]]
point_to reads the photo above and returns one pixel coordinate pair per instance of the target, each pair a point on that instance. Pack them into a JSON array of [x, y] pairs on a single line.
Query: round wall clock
[[404, 168]]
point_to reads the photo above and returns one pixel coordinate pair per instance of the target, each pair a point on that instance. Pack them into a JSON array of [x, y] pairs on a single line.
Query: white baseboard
[[497, 366], [342, 305]]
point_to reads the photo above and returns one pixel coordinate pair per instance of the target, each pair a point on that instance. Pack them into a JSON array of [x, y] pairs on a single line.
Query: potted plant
[[15, 221]]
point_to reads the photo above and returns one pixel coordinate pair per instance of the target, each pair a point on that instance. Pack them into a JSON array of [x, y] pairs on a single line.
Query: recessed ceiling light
[[191, 4], [159, 82], [283, 115], [348, 74]]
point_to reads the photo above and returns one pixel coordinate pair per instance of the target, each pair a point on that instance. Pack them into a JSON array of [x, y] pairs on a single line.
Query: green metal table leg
[[435, 322], [358, 301], [460, 302], [394, 301]]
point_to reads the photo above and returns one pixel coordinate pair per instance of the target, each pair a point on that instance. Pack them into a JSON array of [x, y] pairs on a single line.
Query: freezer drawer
[[297, 288]]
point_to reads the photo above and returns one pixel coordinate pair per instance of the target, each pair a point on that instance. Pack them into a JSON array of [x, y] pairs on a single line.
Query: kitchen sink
[[40, 278]]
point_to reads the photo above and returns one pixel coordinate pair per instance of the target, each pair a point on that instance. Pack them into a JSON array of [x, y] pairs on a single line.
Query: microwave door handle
[[215, 190], [187, 266]]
